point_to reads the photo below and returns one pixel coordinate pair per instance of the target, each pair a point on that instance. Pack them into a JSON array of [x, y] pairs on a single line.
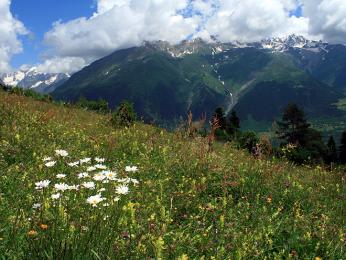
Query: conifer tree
[[342, 149], [332, 154]]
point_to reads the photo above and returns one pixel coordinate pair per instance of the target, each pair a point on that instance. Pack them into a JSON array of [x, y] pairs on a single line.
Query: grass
[[188, 203]]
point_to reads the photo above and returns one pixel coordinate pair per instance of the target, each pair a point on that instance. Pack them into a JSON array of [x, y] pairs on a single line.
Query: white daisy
[[42, 184], [99, 177], [91, 168], [134, 181], [102, 190], [36, 206], [50, 164], [73, 187], [116, 199], [94, 200], [61, 186], [47, 159], [100, 160], [61, 176], [85, 160], [89, 185], [73, 164], [100, 166], [110, 175], [56, 196], [61, 153], [122, 190], [83, 175], [131, 168]]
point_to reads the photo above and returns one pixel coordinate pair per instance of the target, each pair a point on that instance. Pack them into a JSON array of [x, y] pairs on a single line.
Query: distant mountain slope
[[166, 81], [33, 79]]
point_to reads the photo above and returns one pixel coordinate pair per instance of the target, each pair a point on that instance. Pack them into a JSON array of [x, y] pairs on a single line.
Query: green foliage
[[342, 149], [100, 105], [332, 153], [248, 140], [29, 93], [188, 204], [293, 127], [233, 125], [125, 115]]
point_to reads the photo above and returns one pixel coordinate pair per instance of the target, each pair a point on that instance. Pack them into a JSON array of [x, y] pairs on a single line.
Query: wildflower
[[94, 200], [73, 164], [116, 199], [106, 204], [99, 177], [102, 190], [100, 160], [83, 175], [91, 168], [61, 186], [36, 206], [56, 196], [61, 176], [32, 233], [134, 181], [122, 190], [44, 226], [110, 175], [105, 181], [100, 166], [85, 160], [131, 168], [61, 153], [73, 187], [89, 185], [50, 164], [318, 258], [46, 159], [42, 184]]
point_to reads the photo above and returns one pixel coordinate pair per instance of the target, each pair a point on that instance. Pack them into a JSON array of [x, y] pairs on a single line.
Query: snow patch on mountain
[[31, 78]]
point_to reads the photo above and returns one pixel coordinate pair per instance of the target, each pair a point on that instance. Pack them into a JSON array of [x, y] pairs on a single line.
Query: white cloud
[[252, 20], [10, 28], [118, 24], [115, 25], [327, 18]]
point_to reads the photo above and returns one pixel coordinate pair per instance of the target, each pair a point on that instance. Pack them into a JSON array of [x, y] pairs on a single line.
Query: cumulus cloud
[[118, 24], [252, 20], [10, 28], [327, 19]]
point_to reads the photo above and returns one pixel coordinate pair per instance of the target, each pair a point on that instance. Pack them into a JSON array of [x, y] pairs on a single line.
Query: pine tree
[[233, 124], [342, 149], [332, 154], [294, 127]]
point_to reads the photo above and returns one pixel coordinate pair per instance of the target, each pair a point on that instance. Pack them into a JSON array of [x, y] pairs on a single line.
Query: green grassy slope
[[188, 203]]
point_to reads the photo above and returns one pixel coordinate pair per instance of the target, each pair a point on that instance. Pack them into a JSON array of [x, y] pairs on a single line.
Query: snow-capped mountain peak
[[31, 78]]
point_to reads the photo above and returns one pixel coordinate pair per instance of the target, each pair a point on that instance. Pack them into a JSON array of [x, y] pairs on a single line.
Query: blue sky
[[38, 17]]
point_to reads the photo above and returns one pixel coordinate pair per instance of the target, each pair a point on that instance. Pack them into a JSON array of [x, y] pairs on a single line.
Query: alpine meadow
[[185, 129]]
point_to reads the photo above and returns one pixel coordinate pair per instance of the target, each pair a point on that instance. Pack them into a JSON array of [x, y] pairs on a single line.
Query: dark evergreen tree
[[294, 127], [332, 154], [342, 149], [220, 115], [233, 124], [124, 115]]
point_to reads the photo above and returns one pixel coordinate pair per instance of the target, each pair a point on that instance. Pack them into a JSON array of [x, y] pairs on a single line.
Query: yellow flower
[[44, 226], [32, 233], [318, 258]]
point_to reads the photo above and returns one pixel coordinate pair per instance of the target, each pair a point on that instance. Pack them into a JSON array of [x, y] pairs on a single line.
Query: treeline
[[299, 142], [26, 93]]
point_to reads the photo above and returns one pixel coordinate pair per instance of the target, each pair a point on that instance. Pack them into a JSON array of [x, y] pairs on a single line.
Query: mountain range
[[32, 78], [258, 80], [166, 81]]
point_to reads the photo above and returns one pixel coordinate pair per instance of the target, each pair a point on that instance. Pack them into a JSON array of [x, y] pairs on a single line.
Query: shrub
[[125, 115]]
